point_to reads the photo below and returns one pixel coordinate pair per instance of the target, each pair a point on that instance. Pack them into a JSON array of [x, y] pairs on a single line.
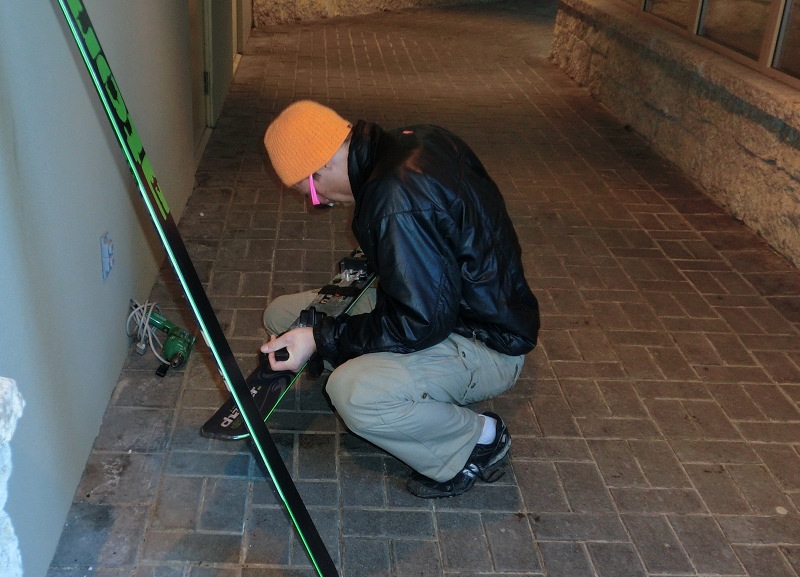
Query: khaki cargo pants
[[411, 405]]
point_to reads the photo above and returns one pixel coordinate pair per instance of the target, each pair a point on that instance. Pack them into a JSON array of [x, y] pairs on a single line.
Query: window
[[787, 55], [737, 24], [676, 11], [765, 33]]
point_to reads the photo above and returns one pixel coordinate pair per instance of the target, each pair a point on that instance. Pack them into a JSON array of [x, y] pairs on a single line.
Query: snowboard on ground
[[82, 31], [268, 387]]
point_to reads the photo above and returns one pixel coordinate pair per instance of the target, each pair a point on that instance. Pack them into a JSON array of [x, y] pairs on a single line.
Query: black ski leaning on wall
[[107, 89]]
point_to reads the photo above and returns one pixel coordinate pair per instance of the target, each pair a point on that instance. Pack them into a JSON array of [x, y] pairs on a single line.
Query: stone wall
[[11, 405], [269, 12], [735, 132]]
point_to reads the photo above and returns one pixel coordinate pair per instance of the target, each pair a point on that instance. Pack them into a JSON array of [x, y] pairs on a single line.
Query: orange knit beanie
[[303, 138]]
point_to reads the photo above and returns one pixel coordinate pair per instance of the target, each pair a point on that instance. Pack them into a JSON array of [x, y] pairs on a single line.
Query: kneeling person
[[452, 316]]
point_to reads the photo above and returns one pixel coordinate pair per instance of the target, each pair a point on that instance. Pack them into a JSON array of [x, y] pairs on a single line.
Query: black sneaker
[[486, 462]]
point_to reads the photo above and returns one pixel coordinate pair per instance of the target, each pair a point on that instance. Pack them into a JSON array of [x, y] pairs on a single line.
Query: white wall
[[63, 183]]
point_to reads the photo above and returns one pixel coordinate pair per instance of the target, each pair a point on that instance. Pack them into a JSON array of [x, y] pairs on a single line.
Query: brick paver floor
[[656, 426]]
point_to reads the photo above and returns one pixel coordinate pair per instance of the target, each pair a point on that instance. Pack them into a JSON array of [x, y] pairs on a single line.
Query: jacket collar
[[361, 157]]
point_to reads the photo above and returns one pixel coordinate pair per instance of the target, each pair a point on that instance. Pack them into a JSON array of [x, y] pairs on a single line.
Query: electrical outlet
[[106, 254]]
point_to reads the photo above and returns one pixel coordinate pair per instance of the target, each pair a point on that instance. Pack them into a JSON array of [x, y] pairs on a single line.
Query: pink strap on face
[[314, 197]]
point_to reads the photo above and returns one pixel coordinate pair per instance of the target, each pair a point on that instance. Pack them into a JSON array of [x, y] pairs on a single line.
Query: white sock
[[489, 430]]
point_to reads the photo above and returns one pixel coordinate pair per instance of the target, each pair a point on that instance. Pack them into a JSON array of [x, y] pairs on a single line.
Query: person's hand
[[300, 344]]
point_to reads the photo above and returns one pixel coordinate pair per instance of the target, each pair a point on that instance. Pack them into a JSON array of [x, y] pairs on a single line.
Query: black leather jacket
[[435, 229]]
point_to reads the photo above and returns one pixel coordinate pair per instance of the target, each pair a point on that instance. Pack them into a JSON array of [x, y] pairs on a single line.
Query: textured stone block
[[691, 104]]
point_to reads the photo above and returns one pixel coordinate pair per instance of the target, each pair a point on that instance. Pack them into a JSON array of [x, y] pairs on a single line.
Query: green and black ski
[[103, 80], [267, 386]]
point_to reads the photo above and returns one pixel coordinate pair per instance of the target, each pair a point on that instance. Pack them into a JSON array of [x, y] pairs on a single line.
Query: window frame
[[778, 13]]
